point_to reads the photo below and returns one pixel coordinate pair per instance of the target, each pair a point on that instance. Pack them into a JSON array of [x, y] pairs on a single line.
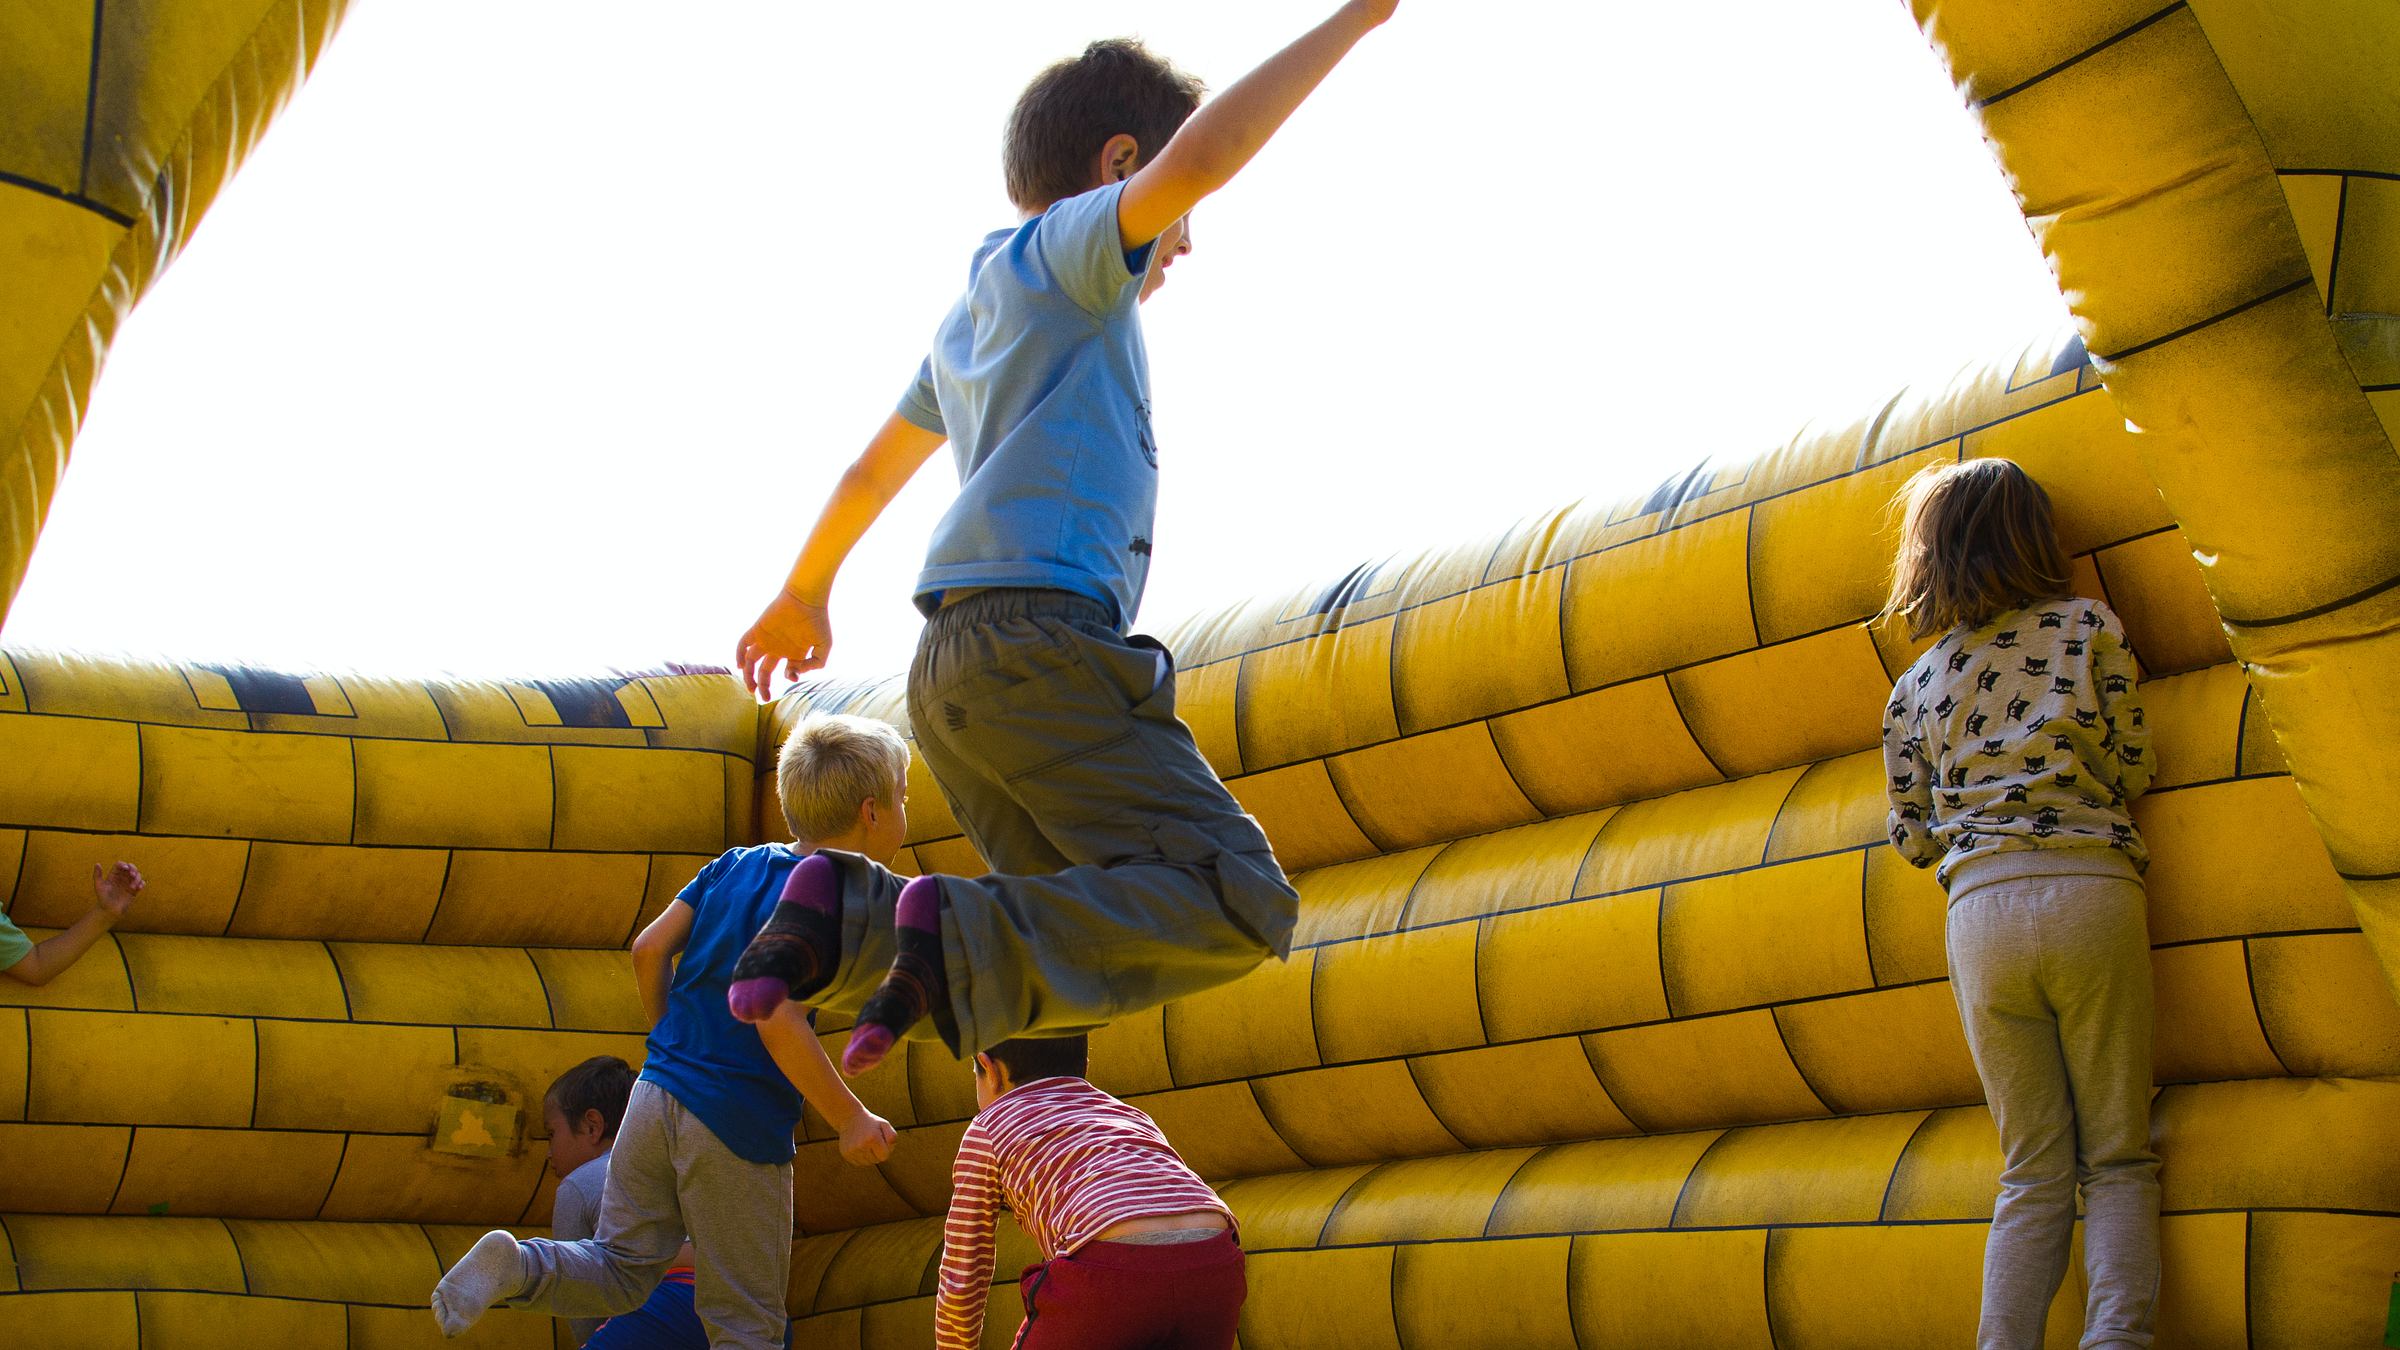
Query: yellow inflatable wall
[[1613, 1022]]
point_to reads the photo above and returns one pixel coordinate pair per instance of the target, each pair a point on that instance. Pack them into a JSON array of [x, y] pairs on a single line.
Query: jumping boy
[[705, 1146], [1137, 1251], [1126, 874]]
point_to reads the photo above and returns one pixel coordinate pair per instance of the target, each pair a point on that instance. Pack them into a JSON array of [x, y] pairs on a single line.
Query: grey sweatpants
[[2050, 961], [1126, 875], [668, 1179]]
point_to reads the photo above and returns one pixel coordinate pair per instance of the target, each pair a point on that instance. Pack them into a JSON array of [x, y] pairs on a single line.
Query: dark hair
[[601, 1083], [1976, 540], [1030, 1058], [1068, 113]]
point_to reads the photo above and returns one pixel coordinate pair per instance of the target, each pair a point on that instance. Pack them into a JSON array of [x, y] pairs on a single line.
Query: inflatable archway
[[1613, 1024]]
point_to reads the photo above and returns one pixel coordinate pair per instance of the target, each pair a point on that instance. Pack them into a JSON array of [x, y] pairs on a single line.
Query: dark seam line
[[549, 1005], [1658, 943], [1675, 701], [1758, 637], [1766, 1285], [354, 782], [25, 1104], [1334, 1211], [2250, 978], [1391, 1295], [1501, 1197], [108, 213], [2339, 173], [2241, 726], [2378, 388], [2247, 937], [2079, 57], [1483, 1016], [316, 1130], [1792, 491], [2333, 263], [334, 1180], [91, 98], [1539, 815], [2367, 876], [1883, 1210], [1418, 1085], [1408, 902], [1775, 1015], [2317, 611], [551, 755], [258, 1072], [241, 887], [641, 910], [141, 779], [1272, 1127], [2249, 1298], [1575, 1252], [1333, 780], [321, 843], [1691, 1174], [449, 857], [1616, 1099], [2190, 328], [340, 979], [124, 1169], [1766, 854]]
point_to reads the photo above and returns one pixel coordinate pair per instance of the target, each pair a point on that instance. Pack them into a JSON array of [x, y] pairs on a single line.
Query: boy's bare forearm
[[1231, 128], [55, 953], [895, 454], [793, 1045]]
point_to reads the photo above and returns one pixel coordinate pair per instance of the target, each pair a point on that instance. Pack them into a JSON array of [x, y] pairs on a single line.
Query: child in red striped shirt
[[1137, 1251]]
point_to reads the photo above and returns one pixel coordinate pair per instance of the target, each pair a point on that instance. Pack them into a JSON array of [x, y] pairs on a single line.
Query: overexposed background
[[533, 335]]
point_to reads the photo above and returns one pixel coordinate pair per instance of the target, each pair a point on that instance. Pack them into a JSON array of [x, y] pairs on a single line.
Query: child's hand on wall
[[116, 886]]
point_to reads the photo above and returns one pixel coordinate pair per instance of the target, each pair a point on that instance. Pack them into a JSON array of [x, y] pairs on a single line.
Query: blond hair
[[1976, 540], [829, 765]]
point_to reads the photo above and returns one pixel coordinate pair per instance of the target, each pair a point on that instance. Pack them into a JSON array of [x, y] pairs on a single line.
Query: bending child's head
[[1027, 1059], [1976, 539], [1073, 110], [844, 783], [583, 1109]]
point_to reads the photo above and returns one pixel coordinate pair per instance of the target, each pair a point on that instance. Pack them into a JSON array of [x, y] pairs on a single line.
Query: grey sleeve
[[572, 1212]]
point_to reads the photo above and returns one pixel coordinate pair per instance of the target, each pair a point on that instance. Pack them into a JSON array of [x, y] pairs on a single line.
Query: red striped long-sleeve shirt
[[1069, 1161]]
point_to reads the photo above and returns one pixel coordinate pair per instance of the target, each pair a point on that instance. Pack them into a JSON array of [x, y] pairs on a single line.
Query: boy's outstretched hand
[[116, 886], [792, 634], [867, 1139]]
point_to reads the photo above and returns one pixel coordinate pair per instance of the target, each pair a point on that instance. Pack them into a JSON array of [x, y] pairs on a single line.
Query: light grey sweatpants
[[2050, 961], [1125, 874], [668, 1179]]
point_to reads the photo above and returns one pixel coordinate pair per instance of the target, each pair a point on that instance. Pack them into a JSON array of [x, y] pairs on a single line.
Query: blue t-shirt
[[1041, 382], [700, 1053]]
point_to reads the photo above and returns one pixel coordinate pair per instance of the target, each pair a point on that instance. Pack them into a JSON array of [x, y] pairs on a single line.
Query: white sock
[[491, 1270]]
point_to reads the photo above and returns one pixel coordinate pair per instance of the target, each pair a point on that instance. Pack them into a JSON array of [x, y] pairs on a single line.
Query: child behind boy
[[2015, 748], [1138, 1253], [38, 963], [582, 1110], [1126, 874], [705, 1147]]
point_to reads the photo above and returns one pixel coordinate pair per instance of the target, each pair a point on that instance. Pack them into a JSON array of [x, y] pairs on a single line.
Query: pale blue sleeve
[[1078, 243], [920, 406]]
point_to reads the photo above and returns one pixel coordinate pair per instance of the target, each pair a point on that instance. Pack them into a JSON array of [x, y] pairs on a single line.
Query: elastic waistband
[[1218, 1249], [1002, 603], [1990, 869]]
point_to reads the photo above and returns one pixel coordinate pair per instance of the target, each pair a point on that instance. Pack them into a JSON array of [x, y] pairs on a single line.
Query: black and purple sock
[[916, 984], [795, 954]]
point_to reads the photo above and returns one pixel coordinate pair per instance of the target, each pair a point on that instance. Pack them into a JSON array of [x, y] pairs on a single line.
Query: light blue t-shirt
[[1040, 380], [704, 1057]]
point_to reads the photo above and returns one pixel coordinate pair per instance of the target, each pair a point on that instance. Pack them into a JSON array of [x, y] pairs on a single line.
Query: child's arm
[[792, 1043], [113, 892], [795, 632], [2127, 738], [969, 1247], [1227, 130], [654, 951], [1908, 781]]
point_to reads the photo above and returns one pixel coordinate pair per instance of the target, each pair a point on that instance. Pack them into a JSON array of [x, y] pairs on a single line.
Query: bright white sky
[[533, 335]]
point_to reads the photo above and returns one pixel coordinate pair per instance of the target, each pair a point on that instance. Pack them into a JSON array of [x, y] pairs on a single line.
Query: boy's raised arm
[[1227, 130], [795, 633], [654, 951], [792, 1043]]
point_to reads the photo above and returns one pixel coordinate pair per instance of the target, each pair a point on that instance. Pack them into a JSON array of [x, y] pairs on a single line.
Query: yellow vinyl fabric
[[1611, 1020], [123, 121]]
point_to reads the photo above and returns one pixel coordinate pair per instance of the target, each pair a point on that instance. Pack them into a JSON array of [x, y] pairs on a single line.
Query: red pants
[[1135, 1296]]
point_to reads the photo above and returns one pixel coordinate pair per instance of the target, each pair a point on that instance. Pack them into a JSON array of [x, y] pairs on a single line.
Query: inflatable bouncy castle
[[1613, 1021]]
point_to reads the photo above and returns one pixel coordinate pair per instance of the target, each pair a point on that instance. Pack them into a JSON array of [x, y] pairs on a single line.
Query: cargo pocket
[[1259, 906]]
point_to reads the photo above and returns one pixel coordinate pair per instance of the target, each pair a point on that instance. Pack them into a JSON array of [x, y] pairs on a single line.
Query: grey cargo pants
[[1127, 876]]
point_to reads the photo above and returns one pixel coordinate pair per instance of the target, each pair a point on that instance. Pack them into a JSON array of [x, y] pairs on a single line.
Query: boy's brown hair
[[830, 764], [602, 1083], [1976, 539], [1031, 1058], [1068, 113]]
